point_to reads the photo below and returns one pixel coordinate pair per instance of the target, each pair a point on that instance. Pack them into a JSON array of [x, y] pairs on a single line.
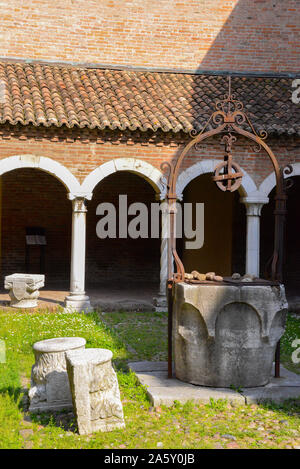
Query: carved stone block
[[95, 390], [50, 389], [24, 289], [227, 335]]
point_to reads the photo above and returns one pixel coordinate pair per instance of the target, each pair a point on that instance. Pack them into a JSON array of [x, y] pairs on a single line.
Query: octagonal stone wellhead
[[226, 335]]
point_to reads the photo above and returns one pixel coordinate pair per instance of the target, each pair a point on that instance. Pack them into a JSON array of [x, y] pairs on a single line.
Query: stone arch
[[270, 182], [207, 166], [133, 165], [45, 164]]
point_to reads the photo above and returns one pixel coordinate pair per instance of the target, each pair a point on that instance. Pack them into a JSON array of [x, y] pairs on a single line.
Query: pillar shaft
[[163, 254], [253, 210], [77, 300]]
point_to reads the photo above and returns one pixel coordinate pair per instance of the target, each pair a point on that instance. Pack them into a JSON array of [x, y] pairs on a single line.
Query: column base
[[160, 303], [77, 303]]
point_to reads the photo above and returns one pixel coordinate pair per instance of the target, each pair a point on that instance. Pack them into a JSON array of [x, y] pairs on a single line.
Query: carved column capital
[[254, 205], [78, 205]]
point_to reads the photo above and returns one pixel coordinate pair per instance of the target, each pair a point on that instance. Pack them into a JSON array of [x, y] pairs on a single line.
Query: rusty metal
[[170, 326], [231, 177], [277, 360], [228, 120]]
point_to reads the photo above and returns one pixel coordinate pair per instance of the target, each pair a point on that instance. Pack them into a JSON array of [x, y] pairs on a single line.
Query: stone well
[[226, 335]]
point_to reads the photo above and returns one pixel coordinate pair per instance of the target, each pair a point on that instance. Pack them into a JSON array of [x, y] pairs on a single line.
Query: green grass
[[214, 425], [146, 333], [292, 332]]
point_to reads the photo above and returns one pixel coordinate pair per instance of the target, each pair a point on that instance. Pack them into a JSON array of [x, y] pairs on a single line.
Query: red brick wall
[[121, 260], [248, 35], [34, 198], [82, 155]]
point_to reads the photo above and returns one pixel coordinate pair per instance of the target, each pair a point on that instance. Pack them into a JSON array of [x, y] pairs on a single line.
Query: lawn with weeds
[[145, 333], [214, 425], [292, 332]]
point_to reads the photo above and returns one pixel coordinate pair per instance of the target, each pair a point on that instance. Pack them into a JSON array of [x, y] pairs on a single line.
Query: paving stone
[[148, 366], [161, 390]]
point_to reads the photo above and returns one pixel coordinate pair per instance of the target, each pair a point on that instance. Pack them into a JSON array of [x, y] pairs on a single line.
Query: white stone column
[[77, 300], [160, 302], [164, 252], [253, 212]]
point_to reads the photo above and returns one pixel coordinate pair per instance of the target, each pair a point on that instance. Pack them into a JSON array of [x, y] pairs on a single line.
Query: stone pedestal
[[50, 389], [160, 303], [226, 335], [24, 289], [95, 390]]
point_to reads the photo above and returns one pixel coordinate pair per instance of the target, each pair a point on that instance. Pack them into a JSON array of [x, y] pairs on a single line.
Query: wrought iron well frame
[[227, 119]]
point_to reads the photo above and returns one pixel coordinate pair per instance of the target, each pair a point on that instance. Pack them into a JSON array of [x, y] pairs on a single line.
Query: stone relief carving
[[95, 390]]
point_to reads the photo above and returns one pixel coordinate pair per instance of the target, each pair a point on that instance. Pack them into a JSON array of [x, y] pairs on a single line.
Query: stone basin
[[226, 335]]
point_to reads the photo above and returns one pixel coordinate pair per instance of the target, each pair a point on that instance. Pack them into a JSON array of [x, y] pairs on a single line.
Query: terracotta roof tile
[[55, 95]]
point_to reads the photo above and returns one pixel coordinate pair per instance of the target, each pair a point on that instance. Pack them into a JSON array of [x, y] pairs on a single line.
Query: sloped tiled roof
[[55, 95]]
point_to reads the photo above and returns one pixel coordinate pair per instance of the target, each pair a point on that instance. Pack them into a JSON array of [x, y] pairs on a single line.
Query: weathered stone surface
[[218, 278], [95, 390], [226, 335], [188, 276], [24, 289], [198, 276], [50, 389], [160, 303], [248, 278], [210, 275], [236, 276]]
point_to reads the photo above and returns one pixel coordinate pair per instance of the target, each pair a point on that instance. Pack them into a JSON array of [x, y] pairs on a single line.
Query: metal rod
[[277, 360], [170, 326]]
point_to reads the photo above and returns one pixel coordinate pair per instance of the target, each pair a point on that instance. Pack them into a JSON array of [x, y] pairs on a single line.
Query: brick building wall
[[186, 34]]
